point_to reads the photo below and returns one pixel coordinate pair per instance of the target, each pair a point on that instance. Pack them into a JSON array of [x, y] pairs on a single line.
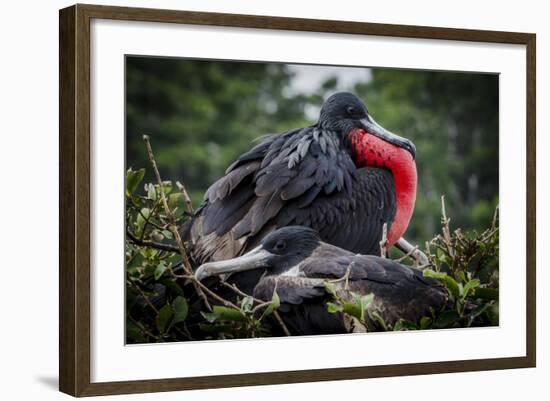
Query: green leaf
[[403, 324], [163, 318], [134, 332], [334, 308], [364, 302], [351, 308], [159, 271], [210, 317], [171, 285], [167, 234], [470, 285], [433, 274], [275, 303], [425, 322], [452, 286], [330, 288], [140, 219], [224, 313], [174, 199], [180, 308], [380, 320], [151, 192], [359, 305], [462, 276], [149, 270], [446, 319], [476, 312], [167, 186], [133, 178], [398, 326], [246, 304]]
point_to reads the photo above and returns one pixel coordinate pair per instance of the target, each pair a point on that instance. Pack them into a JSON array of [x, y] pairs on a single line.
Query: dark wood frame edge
[[74, 199]]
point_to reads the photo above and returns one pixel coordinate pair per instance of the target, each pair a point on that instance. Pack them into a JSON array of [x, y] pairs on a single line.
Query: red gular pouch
[[372, 151]]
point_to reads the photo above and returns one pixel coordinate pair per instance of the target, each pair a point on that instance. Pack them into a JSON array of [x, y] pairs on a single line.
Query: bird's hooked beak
[[373, 128], [254, 259]]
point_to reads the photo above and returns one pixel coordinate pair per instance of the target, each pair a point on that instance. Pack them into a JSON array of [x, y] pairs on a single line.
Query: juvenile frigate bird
[[295, 263], [344, 176]]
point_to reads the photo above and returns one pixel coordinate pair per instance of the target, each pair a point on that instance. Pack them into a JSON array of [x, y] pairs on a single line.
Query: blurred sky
[[309, 78]]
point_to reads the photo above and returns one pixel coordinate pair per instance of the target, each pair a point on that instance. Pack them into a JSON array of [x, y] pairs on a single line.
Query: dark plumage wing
[[291, 290], [399, 291], [303, 306], [351, 221], [302, 177]]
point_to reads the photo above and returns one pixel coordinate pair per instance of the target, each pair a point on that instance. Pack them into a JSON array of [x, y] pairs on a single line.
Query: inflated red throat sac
[[371, 151]]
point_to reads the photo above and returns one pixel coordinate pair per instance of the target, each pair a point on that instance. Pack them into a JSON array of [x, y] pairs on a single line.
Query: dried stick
[[143, 329], [445, 228], [172, 224], [144, 296], [186, 197], [151, 244], [345, 277], [384, 241]]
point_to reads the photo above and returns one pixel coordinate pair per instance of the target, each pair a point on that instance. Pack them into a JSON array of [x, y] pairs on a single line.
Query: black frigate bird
[[295, 263], [344, 176]]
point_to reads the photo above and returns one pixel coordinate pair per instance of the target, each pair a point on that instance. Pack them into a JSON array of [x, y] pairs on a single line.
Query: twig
[[211, 293], [445, 228], [495, 219], [186, 197], [144, 296], [260, 306], [345, 277], [384, 241], [183, 252], [275, 313], [151, 244], [281, 323], [142, 328], [147, 221]]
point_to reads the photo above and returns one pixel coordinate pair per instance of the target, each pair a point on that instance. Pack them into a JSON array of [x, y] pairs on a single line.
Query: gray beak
[[372, 127], [254, 259]]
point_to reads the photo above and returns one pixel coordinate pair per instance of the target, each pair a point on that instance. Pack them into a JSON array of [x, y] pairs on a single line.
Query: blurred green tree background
[[202, 114]]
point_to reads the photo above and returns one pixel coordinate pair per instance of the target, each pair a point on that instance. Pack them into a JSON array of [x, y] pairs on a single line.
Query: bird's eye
[[280, 245], [350, 110]]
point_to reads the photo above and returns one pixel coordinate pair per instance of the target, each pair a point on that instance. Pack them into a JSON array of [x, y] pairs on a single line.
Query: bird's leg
[[409, 250]]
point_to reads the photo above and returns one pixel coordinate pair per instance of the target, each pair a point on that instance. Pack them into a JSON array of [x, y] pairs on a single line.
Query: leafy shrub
[[162, 305]]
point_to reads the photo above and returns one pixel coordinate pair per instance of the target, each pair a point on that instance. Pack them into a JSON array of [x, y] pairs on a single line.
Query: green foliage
[[466, 264], [348, 302], [242, 322], [149, 268]]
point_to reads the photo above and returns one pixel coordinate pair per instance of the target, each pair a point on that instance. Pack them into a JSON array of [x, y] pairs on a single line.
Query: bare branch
[[173, 228], [384, 241], [151, 244], [186, 197]]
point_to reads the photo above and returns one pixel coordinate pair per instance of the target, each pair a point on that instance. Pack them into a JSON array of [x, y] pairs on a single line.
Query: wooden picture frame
[[75, 207]]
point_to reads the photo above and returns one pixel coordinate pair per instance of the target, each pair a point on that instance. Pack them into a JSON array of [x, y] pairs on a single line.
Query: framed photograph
[[250, 200]]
